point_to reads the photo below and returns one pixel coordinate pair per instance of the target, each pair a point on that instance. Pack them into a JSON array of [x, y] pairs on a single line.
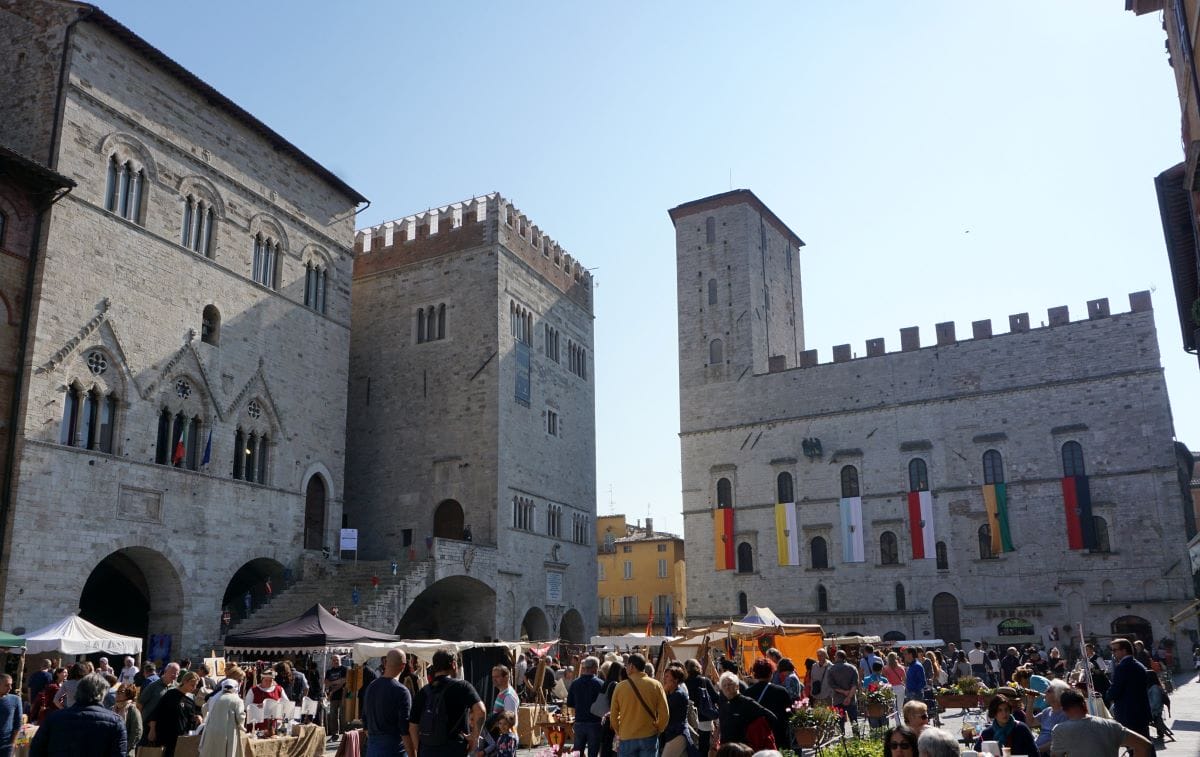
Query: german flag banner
[[723, 534], [1077, 506], [995, 501]]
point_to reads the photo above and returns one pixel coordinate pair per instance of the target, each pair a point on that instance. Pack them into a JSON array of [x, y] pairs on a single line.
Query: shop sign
[[1024, 612], [852, 620], [1015, 627]]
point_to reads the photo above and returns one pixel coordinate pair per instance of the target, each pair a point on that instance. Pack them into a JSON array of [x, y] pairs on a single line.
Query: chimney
[[650, 526]]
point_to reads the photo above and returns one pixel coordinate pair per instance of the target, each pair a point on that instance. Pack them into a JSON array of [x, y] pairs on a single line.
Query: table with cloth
[[309, 742]]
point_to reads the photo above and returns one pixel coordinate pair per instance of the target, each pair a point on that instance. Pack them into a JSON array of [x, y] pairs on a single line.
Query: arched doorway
[[894, 636], [314, 513], [135, 591], [534, 626], [945, 618], [448, 520], [458, 608], [252, 578], [1133, 628], [571, 627]]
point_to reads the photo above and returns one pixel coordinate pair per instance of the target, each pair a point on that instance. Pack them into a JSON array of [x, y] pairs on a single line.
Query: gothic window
[[710, 229], [577, 359], [849, 481], [210, 325], [316, 279], [179, 444], [783, 488], [985, 543], [252, 445], [716, 352], [198, 221], [745, 558], [889, 549], [712, 291], [724, 493], [89, 416], [1072, 459], [1100, 528], [441, 329], [743, 604], [554, 520], [268, 254], [901, 602], [521, 321], [943, 560], [420, 325], [551, 341], [993, 467], [822, 599], [918, 475], [123, 195], [819, 553], [523, 513]]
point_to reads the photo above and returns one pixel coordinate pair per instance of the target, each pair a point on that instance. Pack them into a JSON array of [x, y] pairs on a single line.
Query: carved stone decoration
[[139, 504]]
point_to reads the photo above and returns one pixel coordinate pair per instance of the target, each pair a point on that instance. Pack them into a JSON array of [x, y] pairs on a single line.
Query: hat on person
[[229, 684], [268, 672]]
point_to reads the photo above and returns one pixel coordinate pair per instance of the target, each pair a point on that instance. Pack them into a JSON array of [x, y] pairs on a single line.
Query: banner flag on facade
[[995, 501], [852, 530], [723, 537], [920, 525], [787, 536], [1077, 506]]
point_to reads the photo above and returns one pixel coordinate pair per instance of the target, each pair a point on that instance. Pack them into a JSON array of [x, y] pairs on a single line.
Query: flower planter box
[[955, 701], [876, 710], [806, 737]]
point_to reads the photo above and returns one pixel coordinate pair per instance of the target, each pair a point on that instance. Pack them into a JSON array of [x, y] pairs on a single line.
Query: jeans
[[587, 736], [647, 747], [385, 746]]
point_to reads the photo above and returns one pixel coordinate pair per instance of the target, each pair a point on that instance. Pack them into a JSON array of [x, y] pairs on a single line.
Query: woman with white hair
[[934, 742], [738, 711], [1051, 715]]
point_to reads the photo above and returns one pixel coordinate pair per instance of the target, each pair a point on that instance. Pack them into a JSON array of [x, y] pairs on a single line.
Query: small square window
[[662, 547], [626, 548]]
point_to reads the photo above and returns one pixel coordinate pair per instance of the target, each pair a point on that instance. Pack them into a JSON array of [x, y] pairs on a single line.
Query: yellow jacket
[[628, 717]]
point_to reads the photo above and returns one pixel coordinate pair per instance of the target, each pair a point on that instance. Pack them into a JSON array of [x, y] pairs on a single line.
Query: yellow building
[[640, 570]]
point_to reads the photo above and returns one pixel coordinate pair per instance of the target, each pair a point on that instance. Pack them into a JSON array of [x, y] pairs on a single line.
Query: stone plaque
[[139, 504]]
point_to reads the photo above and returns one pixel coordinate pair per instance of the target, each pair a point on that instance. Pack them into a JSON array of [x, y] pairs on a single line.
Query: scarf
[[1002, 733]]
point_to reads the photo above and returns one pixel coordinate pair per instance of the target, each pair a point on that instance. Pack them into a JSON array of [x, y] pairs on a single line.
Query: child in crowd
[[506, 742]]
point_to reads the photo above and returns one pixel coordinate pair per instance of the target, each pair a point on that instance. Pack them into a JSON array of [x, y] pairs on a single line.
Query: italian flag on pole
[[181, 445]]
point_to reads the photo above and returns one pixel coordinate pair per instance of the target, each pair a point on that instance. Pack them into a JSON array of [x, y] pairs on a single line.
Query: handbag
[[600, 706]]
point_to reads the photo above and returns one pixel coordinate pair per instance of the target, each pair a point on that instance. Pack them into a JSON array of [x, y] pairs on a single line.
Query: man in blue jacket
[[581, 696], [914, 677], [85, 729], [1127, 695]]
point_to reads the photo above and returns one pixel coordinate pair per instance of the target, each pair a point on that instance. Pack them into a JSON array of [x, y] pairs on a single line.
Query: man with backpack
[[638, 711], [581, 697], [447, 713]]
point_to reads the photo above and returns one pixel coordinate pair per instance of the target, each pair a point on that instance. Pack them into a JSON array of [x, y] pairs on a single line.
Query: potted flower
[[808, 723], [964, 693], [879, 698]]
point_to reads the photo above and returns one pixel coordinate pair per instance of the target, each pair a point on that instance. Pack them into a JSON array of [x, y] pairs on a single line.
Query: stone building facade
[[181, 437], [472, 408], [939, 491]]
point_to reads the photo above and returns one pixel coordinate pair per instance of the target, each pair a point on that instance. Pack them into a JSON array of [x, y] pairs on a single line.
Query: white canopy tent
[[424, 648], [629, 640], [74, 636]]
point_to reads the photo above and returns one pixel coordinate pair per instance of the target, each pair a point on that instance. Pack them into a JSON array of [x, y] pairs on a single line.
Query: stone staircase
[[332, 584]]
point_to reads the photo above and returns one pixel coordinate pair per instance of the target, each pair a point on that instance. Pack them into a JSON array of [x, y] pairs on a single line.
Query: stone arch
[[128, 147], [269, 226], [252, 577], [316, 512], [571, 628], [448, 520], [318, 255], [456, 608], [203, 189], [535, 626], [1133, 628], [946, 625], [137, 591]]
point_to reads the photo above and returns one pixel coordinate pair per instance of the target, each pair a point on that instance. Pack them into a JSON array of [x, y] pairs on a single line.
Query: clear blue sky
[[881, 132]]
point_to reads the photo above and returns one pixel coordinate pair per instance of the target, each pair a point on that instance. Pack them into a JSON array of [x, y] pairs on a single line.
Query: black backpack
[[435, 728], [705, 710]]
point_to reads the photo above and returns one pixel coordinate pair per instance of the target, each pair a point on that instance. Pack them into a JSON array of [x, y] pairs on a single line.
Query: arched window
[[1072, 459], [1100, 529], [316, 279], [849, 481], [268, 254], [712, 291], [198, 220], [743, 604], [993, 467], [822, 599], [724, 493], [985, 543], [88, 418], [210, 325], [239, 453], [710, 229], [314, 513], [943, 561], [745, 558], [889, 549], [123, 195], [819, 553], [901, 603], [783, 488], [431, 324], [441, 332], [421, 326], [716, 352], [918, 475]]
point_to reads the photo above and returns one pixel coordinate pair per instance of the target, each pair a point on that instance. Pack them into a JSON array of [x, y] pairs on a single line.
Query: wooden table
[[309, 743]]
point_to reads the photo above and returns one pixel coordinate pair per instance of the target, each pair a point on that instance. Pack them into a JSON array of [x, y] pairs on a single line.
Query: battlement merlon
[[946, 335], [448, 218], [734, 197]]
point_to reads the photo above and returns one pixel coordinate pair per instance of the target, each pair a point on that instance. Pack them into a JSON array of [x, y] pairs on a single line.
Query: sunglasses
[[924, 716], [899, 745]]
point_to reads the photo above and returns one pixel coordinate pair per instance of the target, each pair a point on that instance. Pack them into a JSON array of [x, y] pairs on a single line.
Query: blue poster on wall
[[523, 372], [160, 647]]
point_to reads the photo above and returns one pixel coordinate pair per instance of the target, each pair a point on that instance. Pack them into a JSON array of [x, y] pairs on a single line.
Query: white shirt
[[127, 674], [976, 656]]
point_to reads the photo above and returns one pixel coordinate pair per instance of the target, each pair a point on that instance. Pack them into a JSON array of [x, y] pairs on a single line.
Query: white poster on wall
[[349, 540], [554, 583]]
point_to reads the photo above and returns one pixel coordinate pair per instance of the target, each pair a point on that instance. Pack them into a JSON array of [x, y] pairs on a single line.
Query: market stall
[[75, 636], [745, 641], [628, 641]]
